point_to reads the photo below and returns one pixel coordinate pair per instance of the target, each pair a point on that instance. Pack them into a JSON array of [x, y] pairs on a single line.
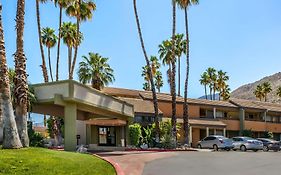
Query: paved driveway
[[217, 163]]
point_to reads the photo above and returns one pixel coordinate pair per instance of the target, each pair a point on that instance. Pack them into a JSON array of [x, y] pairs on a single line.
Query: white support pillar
[[215, 113], [70, 116], [207, 131], [224, 132], [190, 135]]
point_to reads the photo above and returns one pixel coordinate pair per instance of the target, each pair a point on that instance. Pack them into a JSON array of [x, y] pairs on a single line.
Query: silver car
[[216, 142], [246, 143]]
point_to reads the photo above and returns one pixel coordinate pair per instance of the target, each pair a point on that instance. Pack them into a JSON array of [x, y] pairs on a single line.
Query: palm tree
[[221, 81], [180, 48], [278, 91], [205, 81], [173, 82], [44, 68], [49, 39], [184, 4], [158, 80], [145, 75], [82, 11], [225, 92], [10, 132], [266, 89], [165, 54], [62, 4], [259, 93], [21, 85], [212, 78], [95, 69], [69, 36], [155, 101]]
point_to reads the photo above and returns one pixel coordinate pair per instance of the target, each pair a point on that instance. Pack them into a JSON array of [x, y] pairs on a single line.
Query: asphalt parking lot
[[217, 163]]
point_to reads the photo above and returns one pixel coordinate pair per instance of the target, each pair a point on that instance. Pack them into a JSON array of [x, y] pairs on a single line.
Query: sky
[[240, 37]]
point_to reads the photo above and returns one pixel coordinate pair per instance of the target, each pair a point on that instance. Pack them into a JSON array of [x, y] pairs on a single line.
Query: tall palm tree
[[82, 10], [173, 82], [10, 137], [49, 39], [180, 48], [221, 81], [158, 80], [43, 66], [95, 69], [165, 54], [145, 75], [184, 4], [155, 101], [278, 91], [69, 36], [259, 93], [21, 85], [266, 89], [205, 81], [212, 78], [225, 93], [62, 4]]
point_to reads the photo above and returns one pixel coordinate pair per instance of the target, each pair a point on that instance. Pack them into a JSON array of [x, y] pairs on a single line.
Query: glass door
[[107, 136]]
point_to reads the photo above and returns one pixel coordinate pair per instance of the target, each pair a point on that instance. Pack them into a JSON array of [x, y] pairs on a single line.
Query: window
[[251, 116], [202, 112], [219, 114]]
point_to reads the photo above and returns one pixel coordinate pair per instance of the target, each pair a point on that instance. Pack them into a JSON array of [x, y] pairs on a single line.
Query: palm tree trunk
[[76, 46], [44, 69], [69, 60], [10, 132], [211, 96], [179, 77], [58, 51], [20, 80], [265, 97], [206, 92], [155, 101], [185, 104], [50, 64], [214, 93], [173, 87]]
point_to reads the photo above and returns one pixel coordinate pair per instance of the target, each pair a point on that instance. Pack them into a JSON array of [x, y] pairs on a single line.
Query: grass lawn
[[40, 161]]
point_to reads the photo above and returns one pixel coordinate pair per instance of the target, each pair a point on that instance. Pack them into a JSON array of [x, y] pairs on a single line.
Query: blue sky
[[240, 37]]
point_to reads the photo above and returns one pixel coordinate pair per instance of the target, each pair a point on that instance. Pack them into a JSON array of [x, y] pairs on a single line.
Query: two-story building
[[208, 117]]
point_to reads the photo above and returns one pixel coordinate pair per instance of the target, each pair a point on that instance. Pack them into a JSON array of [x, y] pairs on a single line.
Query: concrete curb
[[115, 165], [161, 150]]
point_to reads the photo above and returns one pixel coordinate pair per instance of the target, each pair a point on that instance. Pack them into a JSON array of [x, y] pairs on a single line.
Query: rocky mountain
[[247, 91]]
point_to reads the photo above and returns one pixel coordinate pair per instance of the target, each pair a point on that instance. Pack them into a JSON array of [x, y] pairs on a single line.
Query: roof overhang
[[87, 99]]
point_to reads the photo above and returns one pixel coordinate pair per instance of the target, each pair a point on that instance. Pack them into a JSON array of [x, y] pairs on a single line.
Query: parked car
[[246, 143], [270, 144], [216, 142]]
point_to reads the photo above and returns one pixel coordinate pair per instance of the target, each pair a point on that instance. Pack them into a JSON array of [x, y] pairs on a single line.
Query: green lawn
[[40, 161]]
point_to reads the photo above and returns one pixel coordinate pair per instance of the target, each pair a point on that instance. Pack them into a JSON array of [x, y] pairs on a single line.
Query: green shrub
[[135, 134], [268, 135], [35, 139], [247, 133]]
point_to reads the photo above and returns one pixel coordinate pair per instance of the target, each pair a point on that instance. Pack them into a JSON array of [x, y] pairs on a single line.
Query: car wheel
[[199, 146], [227, 149], [265, 148], [243, 148], [255, 150], [215, 147]]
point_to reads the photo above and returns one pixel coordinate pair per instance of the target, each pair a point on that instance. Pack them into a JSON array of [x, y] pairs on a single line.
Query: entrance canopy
[[75, 101]]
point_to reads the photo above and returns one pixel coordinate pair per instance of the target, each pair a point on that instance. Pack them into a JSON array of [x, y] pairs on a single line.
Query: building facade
[[229, 118]]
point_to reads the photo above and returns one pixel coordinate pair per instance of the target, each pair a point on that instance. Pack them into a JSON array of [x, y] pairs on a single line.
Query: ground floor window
[[107, 136]]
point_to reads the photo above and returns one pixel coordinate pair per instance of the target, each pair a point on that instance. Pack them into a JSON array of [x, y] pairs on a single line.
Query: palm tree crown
[[49, 38], [69, 34], [95, 69]]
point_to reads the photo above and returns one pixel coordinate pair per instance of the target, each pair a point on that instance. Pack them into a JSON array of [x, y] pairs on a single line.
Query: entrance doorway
[[107, 136]]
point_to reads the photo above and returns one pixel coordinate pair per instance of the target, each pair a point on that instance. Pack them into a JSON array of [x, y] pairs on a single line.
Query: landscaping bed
[[48, 162]]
